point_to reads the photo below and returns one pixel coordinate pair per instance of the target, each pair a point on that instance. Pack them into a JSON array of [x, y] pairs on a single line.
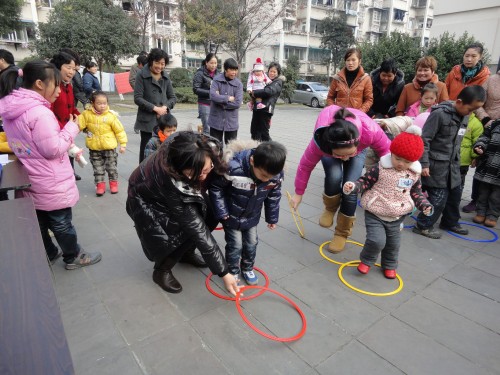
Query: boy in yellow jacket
[[103, 129]]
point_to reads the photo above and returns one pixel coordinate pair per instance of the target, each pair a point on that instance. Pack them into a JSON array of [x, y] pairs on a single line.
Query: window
[[376, 15], [46, 3], [165, 44], [194, 63], [318, 55], [429, 23], [287, 25], [295, 51], [399, 15], [163, 14], [191, 46]]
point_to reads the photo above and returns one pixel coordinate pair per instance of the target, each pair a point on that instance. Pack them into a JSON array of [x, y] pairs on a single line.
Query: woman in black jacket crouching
[[166, 203]]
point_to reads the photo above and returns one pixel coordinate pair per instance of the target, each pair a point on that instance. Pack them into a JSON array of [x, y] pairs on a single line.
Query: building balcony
[[375, 4]]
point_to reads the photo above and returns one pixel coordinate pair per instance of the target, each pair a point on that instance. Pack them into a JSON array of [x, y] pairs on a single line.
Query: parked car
[[310, 93]]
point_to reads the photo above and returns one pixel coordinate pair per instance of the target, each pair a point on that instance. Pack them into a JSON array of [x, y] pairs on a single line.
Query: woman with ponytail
[[340, 137]]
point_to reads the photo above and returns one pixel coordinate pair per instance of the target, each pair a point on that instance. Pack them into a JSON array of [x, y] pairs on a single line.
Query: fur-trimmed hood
[[236, 146]]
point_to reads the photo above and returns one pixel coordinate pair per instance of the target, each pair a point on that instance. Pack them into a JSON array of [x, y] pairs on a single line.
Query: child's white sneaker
[[250, 277]]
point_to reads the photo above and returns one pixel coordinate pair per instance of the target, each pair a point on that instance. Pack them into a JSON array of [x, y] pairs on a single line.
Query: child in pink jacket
[[42, 146], [428, 99]]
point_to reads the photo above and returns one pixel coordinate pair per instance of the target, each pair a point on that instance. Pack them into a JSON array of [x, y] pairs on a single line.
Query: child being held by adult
[[389, 192], [257, 80]]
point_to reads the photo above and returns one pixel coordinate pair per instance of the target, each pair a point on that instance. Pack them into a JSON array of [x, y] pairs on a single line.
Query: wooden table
[[32, 338], [14, 176]]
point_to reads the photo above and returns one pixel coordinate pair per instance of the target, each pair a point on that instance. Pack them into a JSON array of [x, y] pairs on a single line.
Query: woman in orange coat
[[424, 73], [471, 72], [351, 87]]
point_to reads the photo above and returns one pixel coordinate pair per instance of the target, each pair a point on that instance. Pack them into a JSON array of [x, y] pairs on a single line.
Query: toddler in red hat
[[389, 192], [257, 80]]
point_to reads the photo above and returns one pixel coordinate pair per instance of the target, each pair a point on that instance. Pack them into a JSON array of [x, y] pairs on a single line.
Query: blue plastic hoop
[[410, 226], [494, 239]]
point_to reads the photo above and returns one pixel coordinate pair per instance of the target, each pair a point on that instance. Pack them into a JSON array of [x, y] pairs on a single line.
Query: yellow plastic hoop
[[296, 217], [330, 259], [356, 262]]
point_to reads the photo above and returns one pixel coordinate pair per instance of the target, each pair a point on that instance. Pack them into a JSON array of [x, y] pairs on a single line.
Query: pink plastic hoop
[[227, 298], [260, 332]]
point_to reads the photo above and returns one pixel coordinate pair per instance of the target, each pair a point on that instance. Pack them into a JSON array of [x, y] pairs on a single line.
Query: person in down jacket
[[166, 203], [34, 134], [253, 180]]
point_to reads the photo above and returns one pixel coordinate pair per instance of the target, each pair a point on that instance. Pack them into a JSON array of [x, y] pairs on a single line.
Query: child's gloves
[[348, 187], [77, 153]]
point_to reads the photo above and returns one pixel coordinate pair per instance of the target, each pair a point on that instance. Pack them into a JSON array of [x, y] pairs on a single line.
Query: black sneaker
[[455, 229], [430, 232]]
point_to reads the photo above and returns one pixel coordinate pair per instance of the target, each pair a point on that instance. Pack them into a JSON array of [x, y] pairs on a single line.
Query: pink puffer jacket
[[42, 146], [371, 135]]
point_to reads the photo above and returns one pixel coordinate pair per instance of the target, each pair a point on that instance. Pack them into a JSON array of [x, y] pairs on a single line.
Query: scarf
[[469, 73], [162, 136], [351, 76]]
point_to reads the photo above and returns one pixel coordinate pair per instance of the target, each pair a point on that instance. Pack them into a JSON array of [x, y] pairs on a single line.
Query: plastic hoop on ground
[[414, 218], [494, 239], [260, 332], [330, 259], [356, 262], [296, 217], [227, 298]]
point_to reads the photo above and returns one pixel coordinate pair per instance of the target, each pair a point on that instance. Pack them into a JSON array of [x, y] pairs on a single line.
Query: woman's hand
[[425, 172], [473, 163], [231, 284], [230, 99], [296, 199], [160, 111], [348, 187]]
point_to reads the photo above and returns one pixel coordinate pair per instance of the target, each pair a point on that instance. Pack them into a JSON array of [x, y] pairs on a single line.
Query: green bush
[[181, 77], [185, 95]]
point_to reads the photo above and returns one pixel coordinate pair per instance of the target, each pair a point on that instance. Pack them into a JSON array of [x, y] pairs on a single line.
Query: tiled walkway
[[446, 320]]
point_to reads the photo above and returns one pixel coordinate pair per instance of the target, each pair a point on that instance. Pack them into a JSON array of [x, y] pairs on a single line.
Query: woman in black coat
[[154, 94], [201, 87], [166, 203], [261, 118]]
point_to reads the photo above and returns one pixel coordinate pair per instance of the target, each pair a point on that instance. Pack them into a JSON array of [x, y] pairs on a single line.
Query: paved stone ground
[[117, 321]]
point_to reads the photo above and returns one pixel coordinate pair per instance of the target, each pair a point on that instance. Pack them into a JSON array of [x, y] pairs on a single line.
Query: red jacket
[[64, 105], [454, 82]]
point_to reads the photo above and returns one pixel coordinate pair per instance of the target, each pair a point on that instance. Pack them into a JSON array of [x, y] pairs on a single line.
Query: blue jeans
[[445, 201], [381, 237], [337, 172], [241, 248], [59, 222], [203, 112]]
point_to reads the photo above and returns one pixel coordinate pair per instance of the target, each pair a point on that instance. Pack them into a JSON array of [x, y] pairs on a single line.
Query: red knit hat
[[408, 145], [258, 64]]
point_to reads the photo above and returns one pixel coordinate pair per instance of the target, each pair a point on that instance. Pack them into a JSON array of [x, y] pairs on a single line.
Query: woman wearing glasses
[[340, 138], [169, 209]]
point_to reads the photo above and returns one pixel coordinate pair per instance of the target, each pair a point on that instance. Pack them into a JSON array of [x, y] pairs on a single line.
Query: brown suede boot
[[331, 206], [342, 231]]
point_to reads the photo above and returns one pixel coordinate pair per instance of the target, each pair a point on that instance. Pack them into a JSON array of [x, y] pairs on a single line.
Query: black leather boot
[[167, 281], [193, 258]]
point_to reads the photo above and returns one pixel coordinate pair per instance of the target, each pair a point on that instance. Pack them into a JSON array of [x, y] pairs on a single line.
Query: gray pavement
[[445, 320]]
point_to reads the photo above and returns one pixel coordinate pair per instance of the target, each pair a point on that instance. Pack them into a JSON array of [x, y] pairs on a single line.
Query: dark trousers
[[445, 201], [259, 128], [475, 183], [145, 137], [381, 237], [59, 222], [488, 202], [228, 135]]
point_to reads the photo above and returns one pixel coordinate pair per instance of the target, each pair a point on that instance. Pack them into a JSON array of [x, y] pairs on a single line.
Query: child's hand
[[427, 211], [122, 149], [478, 150], [348, 187], [425, 172], [271, 226], [473, 163], [73, 118]]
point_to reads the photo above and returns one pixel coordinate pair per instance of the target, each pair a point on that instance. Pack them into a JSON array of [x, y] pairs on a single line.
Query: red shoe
[[113, 187], [100, 189], [363, 268], [390, 274]]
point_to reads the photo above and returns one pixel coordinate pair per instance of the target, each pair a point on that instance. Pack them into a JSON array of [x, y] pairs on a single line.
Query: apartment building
[[295, 33], [480, 19]]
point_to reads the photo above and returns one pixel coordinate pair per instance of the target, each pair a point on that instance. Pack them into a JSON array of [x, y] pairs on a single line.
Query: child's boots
[[100, 189], [113, 187]]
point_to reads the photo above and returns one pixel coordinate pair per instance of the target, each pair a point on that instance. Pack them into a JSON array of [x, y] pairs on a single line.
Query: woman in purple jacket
[[226, 96], [340, 137], [42, 146]]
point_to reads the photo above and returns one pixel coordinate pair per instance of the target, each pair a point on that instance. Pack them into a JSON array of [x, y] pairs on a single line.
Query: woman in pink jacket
[[42, 146], [339, 140]]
